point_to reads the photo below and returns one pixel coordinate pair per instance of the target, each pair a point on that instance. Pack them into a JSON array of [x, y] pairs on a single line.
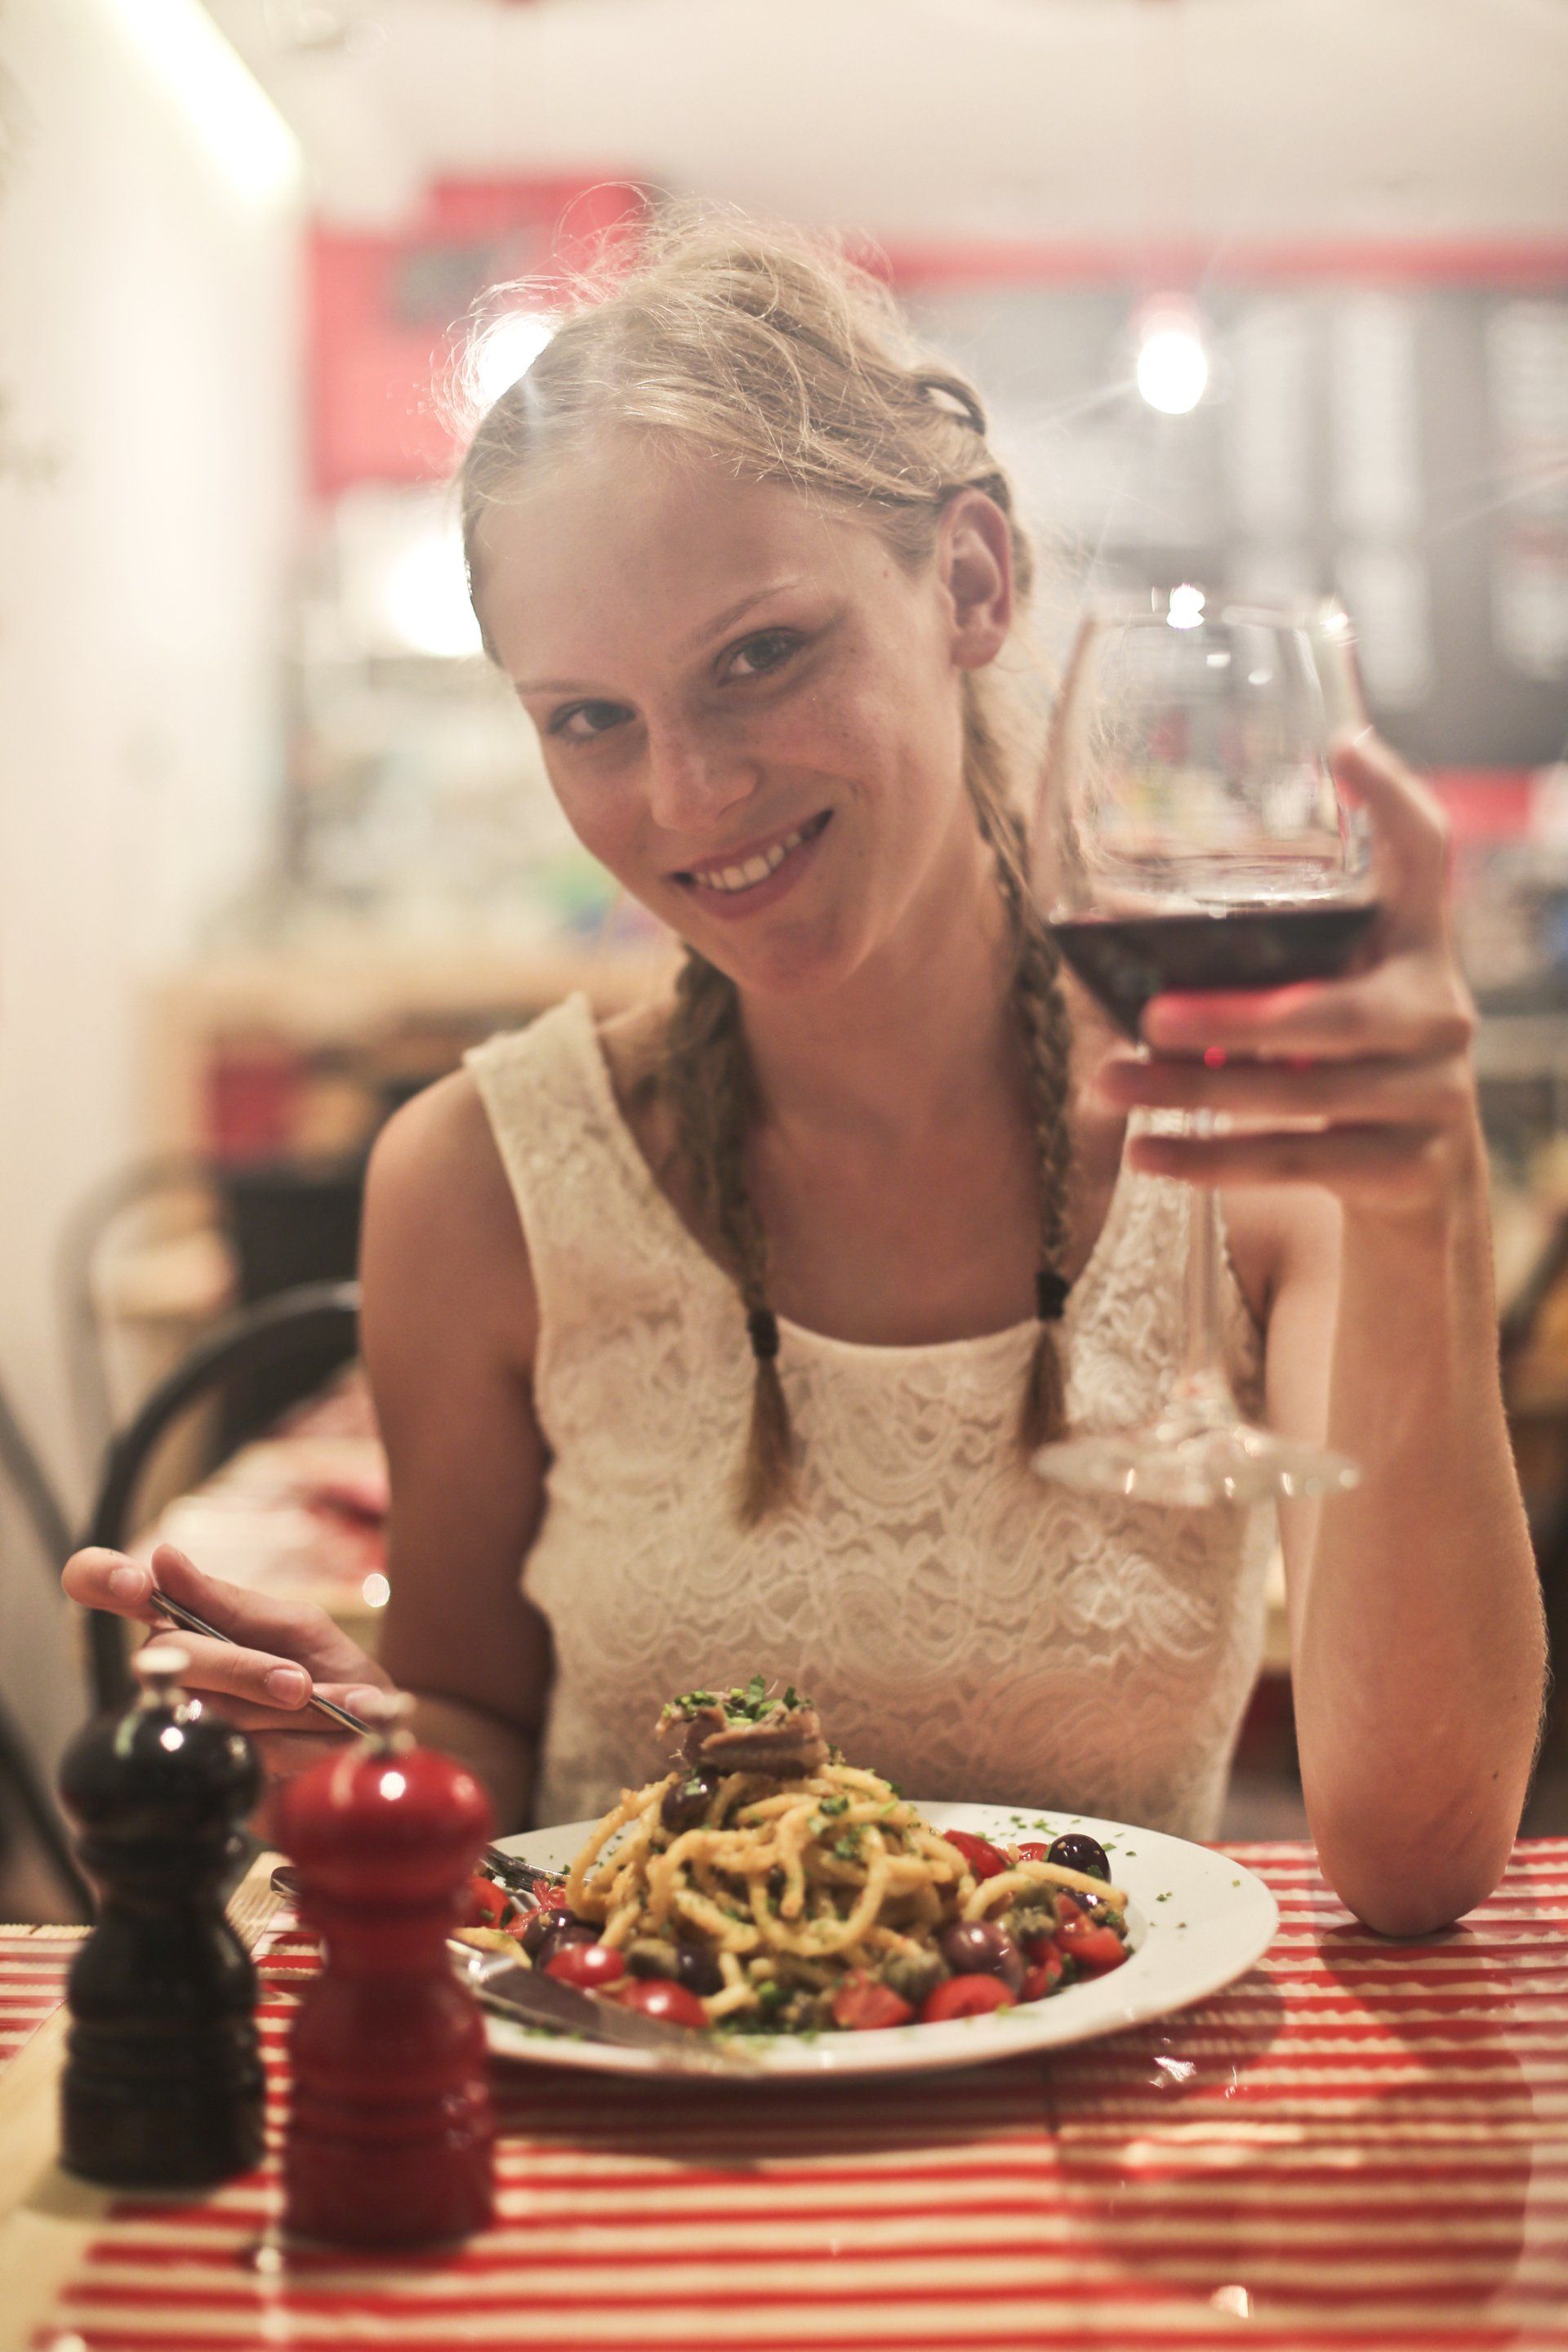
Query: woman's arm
[[1415, 1623], [1418, 1653], [447, 1330]]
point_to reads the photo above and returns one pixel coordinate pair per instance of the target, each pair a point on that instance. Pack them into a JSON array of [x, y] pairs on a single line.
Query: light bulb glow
[[1187, 607], [1173, 366], [506, 351]]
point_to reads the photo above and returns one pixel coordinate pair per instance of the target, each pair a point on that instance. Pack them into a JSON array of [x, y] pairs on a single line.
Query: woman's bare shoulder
[[439, 1216]]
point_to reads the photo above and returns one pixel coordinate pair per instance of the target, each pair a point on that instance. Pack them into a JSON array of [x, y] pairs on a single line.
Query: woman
[[736, 1322]]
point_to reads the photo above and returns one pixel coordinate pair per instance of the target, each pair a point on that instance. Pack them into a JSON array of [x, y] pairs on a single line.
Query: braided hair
[[778, 358]]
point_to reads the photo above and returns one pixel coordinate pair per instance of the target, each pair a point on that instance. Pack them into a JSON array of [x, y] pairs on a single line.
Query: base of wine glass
[[1191, 1461]]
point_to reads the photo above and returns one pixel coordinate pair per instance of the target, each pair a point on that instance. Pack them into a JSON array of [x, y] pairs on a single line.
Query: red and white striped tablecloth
[[1358, 2145], [33, 1968]]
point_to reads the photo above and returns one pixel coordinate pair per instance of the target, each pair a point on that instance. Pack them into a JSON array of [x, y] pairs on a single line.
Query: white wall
[[149, 439]]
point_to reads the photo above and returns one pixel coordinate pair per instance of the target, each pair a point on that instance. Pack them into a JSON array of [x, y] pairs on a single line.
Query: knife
[[503, 1984], [530, 1997], [517, 1876]]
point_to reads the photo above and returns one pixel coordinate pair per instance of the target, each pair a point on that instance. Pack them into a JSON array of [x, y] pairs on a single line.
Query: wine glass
[[1189, 835]]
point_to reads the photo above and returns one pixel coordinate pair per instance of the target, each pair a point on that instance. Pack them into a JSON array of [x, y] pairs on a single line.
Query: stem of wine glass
[[1204, 1381]]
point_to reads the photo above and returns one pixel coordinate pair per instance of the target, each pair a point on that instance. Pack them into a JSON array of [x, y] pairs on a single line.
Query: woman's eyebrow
[[734, 613], [714, 627]]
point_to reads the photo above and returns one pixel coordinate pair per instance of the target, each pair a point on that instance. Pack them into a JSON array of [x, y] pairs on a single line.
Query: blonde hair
[[775, 356]]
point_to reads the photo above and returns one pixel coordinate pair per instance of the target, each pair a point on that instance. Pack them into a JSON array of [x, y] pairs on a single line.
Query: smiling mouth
[[749, 872]]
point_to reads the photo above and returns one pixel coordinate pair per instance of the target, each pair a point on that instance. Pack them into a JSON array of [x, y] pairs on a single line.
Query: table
[[1359, 2145]]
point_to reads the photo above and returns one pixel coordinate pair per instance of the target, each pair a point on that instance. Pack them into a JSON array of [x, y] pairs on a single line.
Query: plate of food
[[768, 1893]]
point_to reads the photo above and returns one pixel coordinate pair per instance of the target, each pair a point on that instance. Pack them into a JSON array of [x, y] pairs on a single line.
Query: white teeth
[[755, 869]]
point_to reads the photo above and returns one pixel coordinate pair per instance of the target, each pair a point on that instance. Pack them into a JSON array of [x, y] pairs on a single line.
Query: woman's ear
[[974, 560]]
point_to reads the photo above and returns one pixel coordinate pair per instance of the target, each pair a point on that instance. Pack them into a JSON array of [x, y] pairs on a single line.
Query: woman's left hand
[[1378, 1059]]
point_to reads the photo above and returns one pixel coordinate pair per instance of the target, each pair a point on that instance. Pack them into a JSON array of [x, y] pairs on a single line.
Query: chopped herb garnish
[[834, 1805], [849, 1846]]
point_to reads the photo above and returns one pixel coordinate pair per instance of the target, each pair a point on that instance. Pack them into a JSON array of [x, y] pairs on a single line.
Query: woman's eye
[[768, 650], [581, 721]]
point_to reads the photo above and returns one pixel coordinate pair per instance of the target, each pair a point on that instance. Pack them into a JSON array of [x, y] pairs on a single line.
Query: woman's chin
[[800, 962]]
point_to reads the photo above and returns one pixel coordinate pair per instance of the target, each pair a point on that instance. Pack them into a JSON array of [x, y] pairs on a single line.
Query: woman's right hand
[[285, 1650]]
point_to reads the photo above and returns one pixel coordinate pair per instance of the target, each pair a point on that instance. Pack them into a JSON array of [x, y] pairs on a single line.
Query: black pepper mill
[[163, 2084]]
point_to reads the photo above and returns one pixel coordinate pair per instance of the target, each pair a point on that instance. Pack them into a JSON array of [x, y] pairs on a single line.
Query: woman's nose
[[690, 780]]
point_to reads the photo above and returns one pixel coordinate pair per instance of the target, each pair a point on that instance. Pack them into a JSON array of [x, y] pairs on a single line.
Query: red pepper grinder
[[390, 2137]]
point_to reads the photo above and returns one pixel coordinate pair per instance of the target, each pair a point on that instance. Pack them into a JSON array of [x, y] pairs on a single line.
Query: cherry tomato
[[964, 1997], [1096, 1949], [656, 1997], [1044, 1972], [861, 2005], [1036, 1852], [589, 1966], [549, 1898], [490, 1901], [985, 1860]]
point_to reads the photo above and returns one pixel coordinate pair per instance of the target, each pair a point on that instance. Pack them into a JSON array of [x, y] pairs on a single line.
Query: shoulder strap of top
[[594, 1218]]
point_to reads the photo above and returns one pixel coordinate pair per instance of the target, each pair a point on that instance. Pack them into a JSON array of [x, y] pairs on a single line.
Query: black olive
[[686, 1801], [1077, 1851], [696, 1968], [980, 1948], [548, 1930]]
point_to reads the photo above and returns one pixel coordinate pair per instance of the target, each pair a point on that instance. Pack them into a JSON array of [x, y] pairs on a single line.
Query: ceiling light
[[1186, 608], [1173, 365]]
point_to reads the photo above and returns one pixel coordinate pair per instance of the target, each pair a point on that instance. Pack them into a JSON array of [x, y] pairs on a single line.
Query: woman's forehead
[[625, 536]]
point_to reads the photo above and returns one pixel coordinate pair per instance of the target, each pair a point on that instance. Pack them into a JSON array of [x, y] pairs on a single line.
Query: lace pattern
[[964, 1628]]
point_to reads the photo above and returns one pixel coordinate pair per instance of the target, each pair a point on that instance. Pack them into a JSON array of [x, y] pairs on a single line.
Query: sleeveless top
[[963, 1627]]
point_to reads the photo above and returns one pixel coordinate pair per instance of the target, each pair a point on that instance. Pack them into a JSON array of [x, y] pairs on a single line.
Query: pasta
[[786, 1889]]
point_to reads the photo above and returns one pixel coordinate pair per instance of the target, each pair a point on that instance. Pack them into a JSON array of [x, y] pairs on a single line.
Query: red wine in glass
[[1125, 960], [1189, 835]]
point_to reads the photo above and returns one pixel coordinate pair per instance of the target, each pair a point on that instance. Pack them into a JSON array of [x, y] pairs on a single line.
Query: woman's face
[[749, 708]]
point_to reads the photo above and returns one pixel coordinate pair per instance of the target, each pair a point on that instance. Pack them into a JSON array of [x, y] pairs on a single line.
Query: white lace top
[[964, 1628]]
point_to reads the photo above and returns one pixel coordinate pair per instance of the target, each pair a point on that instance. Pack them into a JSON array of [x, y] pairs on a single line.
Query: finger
[[241, 1716], [1385, 1088], [100, 1579], [245, 1715], [1388, 1012], [291, 1629], [258, 1676], [1388, 1161], [1410, 832]]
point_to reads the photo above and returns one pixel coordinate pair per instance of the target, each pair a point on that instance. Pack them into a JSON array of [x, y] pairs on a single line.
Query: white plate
[[1197, 1921]]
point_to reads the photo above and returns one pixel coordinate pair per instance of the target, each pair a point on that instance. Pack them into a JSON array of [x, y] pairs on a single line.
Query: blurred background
[[1272, 294]]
